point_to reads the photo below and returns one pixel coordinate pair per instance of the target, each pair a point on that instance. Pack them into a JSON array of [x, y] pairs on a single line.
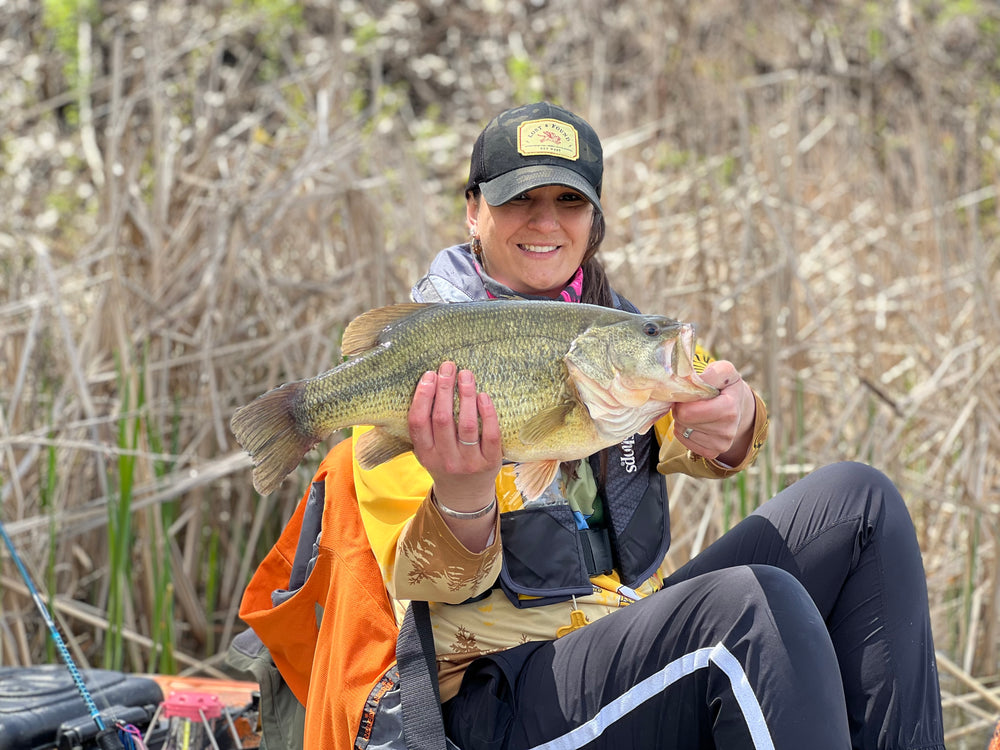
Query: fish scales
[[521, 347], [521, 353]]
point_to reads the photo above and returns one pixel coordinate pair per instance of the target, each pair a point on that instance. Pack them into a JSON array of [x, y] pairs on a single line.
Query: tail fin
[[267, 429]]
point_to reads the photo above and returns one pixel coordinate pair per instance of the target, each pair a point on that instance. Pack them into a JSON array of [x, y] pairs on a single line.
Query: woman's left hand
[[719, 428]]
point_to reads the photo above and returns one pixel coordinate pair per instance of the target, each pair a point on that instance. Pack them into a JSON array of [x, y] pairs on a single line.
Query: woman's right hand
[[462, 458]]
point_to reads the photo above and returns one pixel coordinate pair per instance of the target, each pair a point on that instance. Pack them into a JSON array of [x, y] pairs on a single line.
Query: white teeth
[[539, 248]]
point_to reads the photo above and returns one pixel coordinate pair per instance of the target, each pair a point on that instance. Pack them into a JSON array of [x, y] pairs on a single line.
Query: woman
[[806, 623]]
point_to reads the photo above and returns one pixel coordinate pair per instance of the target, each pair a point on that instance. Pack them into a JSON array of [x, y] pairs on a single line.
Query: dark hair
[[596, 287]]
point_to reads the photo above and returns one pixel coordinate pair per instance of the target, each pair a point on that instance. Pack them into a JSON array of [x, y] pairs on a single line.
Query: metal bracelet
[[461, 515]]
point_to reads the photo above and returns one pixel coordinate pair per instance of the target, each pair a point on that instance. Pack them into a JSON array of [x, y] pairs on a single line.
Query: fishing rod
[[108, 739]]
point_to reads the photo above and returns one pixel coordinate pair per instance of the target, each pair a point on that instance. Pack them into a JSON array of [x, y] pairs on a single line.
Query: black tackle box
[[36, 701]]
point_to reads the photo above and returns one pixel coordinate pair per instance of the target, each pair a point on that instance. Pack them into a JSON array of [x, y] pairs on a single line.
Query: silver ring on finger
[[466, 442], [688, 432]]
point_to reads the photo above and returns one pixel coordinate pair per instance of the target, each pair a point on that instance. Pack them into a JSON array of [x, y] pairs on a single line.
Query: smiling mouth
[[538, 248]]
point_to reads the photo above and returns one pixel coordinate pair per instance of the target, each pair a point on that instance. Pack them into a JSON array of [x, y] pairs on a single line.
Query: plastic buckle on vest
[[597, 551]]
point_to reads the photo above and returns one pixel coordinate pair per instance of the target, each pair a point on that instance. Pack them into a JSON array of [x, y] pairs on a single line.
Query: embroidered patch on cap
[[548, 138]]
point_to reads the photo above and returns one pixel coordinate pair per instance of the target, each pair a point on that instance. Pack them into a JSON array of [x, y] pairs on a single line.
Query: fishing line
[[54, 632]]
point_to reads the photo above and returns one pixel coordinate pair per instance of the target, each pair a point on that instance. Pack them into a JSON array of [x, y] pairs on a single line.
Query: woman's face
[[535, 242]]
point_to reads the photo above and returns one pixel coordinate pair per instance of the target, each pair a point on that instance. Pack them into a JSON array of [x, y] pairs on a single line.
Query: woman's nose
[[543, 216]]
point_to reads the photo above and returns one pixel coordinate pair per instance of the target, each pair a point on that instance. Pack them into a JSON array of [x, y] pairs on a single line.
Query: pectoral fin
[[377, 446], [532, 478], [546, 422]]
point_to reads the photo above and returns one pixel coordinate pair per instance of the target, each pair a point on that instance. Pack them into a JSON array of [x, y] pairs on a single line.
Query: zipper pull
[[577, 620]]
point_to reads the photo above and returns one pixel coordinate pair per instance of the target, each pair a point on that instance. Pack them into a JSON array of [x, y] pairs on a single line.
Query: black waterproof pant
[[805, 627]]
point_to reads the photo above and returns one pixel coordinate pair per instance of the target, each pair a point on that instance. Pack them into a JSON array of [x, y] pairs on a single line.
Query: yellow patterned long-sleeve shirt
[[421, 559]]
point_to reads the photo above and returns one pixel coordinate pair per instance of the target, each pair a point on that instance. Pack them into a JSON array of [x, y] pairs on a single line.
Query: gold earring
[[476, 246]]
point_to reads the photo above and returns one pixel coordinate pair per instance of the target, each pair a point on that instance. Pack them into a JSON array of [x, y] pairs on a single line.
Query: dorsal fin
[[362, 333]]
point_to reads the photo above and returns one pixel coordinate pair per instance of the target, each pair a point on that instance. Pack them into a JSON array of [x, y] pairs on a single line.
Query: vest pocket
[[543, 557]]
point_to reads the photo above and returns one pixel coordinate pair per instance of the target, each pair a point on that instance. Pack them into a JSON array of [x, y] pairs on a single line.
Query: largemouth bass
[[567, 380]]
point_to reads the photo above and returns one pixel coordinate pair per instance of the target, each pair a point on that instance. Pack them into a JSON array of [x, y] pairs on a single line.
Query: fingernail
[[427, 377], [465, 377]]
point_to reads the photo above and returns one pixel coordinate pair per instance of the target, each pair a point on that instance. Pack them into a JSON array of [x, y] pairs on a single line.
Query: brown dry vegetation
[[197, 198]]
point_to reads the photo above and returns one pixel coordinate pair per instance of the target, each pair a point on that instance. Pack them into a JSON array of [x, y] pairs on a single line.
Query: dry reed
[[816, 188]]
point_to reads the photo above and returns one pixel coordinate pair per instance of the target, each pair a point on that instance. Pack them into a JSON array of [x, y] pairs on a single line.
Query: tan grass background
[[197, 197]]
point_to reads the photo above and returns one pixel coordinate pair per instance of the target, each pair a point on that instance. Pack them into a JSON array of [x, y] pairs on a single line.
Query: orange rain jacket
[[330, 663]]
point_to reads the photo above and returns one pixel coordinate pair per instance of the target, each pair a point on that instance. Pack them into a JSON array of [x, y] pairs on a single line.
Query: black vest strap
[[423, 725]]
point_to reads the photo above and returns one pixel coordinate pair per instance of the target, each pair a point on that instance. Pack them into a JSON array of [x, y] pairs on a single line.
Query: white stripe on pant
[[658, 682]]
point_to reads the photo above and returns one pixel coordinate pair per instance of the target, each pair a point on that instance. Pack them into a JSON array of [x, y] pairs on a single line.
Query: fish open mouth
[[677, 357], [682, 352], [675, 354]]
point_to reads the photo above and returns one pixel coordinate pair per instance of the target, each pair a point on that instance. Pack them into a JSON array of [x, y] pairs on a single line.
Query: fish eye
[[650, 329]]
